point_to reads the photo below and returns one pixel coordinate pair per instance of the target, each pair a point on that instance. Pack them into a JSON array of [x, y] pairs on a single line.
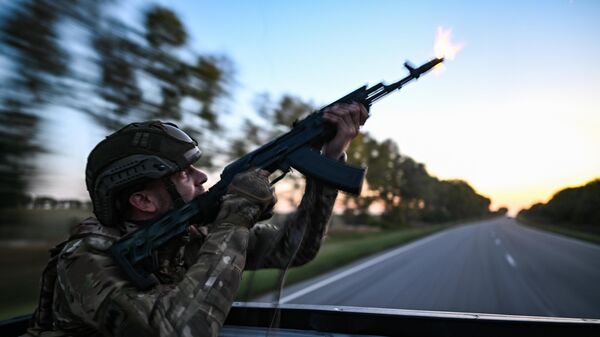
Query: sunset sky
[[516, 113]]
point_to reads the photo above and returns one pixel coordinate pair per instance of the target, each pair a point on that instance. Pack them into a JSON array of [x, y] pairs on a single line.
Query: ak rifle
[[299, 148]]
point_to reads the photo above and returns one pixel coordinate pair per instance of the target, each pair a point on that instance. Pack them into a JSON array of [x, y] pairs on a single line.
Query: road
[[495, 266]]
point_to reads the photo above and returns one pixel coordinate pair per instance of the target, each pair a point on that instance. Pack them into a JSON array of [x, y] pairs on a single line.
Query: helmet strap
[[172, 190]]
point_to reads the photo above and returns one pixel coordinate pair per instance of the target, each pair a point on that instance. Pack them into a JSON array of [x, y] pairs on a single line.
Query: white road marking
[[355, 269], [510, 260], [498, 242]]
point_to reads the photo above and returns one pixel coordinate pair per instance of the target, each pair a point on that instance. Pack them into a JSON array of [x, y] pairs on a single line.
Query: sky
[[516, 113]]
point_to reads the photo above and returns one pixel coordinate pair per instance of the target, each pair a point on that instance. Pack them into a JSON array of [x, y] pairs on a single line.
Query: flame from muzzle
[[444, 47]]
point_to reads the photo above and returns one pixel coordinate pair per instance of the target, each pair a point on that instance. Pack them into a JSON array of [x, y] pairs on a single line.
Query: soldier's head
[[141, 171]]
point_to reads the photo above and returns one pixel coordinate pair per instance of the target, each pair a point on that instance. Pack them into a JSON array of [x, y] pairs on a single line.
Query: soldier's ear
[[146, 201]]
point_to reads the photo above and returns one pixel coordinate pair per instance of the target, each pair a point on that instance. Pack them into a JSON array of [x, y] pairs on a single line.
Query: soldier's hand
[[347, 118], [250, 198]]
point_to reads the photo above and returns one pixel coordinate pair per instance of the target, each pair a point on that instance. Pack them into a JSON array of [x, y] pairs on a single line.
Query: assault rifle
[[299, 148]]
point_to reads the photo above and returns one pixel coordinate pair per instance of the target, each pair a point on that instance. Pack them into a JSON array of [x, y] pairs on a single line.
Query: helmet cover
[[135, 154]]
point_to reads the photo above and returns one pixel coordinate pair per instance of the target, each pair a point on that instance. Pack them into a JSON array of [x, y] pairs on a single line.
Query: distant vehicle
[[292, 320]]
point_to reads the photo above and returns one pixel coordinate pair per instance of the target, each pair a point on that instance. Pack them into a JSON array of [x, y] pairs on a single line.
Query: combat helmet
[[132, 156]]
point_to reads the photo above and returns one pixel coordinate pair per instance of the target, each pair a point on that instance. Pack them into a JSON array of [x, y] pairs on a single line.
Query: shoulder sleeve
[[99, 293], [299, 236]]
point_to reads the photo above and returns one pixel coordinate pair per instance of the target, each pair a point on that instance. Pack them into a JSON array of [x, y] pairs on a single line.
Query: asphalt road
[[494, 266]]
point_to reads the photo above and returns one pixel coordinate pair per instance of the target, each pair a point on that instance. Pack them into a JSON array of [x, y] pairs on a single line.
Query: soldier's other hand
[[251, 196], [347, 118]]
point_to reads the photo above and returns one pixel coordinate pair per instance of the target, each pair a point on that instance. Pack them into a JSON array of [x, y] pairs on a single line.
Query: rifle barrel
[[380, 90]]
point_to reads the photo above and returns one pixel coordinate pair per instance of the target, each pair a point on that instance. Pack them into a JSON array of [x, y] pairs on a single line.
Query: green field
[[581, 233], [19, 286], [25, 239], [39, 225]]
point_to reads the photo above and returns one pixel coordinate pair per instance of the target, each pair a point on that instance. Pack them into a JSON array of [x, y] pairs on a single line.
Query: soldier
[[84, 293]]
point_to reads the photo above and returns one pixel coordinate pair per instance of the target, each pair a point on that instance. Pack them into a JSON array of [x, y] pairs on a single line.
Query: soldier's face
[[189, 182]]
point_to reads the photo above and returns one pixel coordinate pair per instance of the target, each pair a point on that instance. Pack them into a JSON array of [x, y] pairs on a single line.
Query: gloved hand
[[249, 199]]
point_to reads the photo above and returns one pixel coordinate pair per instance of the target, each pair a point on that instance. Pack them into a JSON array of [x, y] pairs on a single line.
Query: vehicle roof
[[295, 320]]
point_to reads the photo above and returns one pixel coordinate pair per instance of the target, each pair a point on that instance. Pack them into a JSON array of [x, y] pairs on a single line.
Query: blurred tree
[[535, 212], [418, 190], [79, 55], [17, 147], [587, 211], [164, 29], [562, 205], [28, 38], [274, 119], [164, 34], [385, 177], [502, 210], [213, 76], [118, 84], [569, 206], [361, 152], [45, 202], [463, 201], [159, 60]]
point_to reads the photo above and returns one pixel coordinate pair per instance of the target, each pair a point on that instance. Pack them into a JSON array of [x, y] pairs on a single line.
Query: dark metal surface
[[394, 322], [255, 319], [15, 326]]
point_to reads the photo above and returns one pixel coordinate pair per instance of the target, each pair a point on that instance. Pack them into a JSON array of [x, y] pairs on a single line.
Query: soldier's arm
[[99, 293], [298, 237]]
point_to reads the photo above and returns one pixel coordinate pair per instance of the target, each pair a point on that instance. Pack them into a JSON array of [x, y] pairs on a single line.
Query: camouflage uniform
[[84, 293]]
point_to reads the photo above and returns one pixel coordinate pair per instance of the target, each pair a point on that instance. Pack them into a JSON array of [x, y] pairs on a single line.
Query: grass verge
[[335, 252], [21, 269], [573, 232]]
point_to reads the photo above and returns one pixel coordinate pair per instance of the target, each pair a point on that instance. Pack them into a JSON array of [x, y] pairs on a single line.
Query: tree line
[[49, 202], [405, 191], [570, 206]]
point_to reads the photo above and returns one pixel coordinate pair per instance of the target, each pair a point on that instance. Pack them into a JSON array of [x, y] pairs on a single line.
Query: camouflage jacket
[[84, 293]]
